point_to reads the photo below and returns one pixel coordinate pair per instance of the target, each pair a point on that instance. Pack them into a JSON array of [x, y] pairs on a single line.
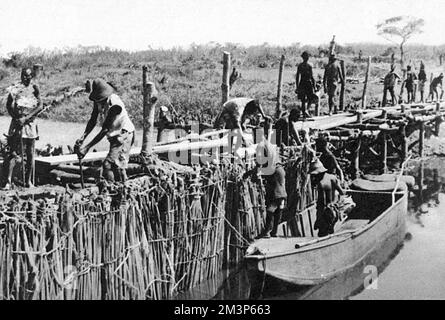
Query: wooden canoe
[[312, 261]]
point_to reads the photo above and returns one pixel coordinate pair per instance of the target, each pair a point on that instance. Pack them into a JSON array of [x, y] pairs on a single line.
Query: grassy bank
[[190, 80]]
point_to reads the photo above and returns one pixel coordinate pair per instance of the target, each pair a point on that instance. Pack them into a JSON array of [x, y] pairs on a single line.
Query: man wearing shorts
[[116, 126]]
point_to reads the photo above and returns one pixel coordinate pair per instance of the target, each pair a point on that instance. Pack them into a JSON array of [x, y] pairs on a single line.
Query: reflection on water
[[412, 270]]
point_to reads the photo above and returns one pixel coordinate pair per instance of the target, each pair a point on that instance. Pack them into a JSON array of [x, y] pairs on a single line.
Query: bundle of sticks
[[155, 236]]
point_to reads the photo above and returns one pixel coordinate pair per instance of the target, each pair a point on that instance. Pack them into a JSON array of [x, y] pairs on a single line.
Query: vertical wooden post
[[225, 86], [421, 138], [438, 120], [280, 84], [343, 85], [149, 99], [356, 158], [384, 154], [404, 144], [359, 114], [332, 46], [366, 84]]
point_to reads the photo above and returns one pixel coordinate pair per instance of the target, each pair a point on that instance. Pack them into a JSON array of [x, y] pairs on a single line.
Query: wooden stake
[[225, 86], [438, 120], [366, 84], [404, 145], [359, 114], [150, 97], [280, 84], [343, 85], [357, 158], [384, 154], [421, 138]]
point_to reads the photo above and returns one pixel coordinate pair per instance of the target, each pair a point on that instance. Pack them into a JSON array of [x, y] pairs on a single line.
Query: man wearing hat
[[332, 76], [109, 109], [327, 184], [305, 83], [23, 104], [389, 84]]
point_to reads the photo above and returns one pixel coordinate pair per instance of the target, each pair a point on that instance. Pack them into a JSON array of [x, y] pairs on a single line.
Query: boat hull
[[316, 263]]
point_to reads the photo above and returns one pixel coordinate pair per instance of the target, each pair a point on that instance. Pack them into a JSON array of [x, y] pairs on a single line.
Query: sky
[[138, 24]]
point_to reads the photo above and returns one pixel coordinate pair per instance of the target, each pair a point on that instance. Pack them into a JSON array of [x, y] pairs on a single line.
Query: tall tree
[[399, 30]]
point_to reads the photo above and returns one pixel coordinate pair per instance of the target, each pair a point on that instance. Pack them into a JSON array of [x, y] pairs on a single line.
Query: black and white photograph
[[237, 151]]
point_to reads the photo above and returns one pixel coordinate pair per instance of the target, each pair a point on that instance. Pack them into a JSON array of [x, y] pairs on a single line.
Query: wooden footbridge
[[367, 121]]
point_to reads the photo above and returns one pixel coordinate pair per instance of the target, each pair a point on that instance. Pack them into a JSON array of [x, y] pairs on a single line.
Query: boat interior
[[369, 205]]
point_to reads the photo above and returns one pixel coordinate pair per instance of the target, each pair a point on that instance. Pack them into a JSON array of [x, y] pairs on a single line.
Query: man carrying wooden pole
[[149, 98], [366, 83], [279, 90]]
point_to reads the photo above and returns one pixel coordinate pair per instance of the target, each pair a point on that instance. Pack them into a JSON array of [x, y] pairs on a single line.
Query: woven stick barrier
[[149, 240], [155, 236]]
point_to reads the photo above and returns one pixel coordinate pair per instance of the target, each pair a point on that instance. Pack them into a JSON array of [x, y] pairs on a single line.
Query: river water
[[413, 270]]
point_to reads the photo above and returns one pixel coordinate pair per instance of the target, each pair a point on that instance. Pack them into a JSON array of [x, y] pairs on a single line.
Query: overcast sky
[[136, 24]]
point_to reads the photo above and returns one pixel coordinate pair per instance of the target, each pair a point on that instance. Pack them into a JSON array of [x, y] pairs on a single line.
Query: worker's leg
[[334, 98], [303, 106], [277, 216], [421, 96], [271, 207], [29, 168], [393, 96], [8, 169], [330, 103], [11, 159]]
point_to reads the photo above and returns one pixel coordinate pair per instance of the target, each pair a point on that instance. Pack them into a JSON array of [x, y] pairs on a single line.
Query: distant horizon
[[210, 43]]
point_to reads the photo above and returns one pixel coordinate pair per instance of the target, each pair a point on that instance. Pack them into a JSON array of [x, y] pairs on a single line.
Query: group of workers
[[307, 89], [411, 83], [24, 103]]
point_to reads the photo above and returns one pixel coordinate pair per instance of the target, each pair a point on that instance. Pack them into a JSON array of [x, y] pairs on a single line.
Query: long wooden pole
[[384, 152], [343, 84], [280, 84], [404, 145], [421, 138], [150, 97], [366, 84], [225, 86], [438, 120]]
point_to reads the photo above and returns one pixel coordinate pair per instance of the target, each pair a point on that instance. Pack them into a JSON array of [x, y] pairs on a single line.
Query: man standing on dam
[[109, 109], [305, 84], [23, 105], [332, 77], [389, 84]]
